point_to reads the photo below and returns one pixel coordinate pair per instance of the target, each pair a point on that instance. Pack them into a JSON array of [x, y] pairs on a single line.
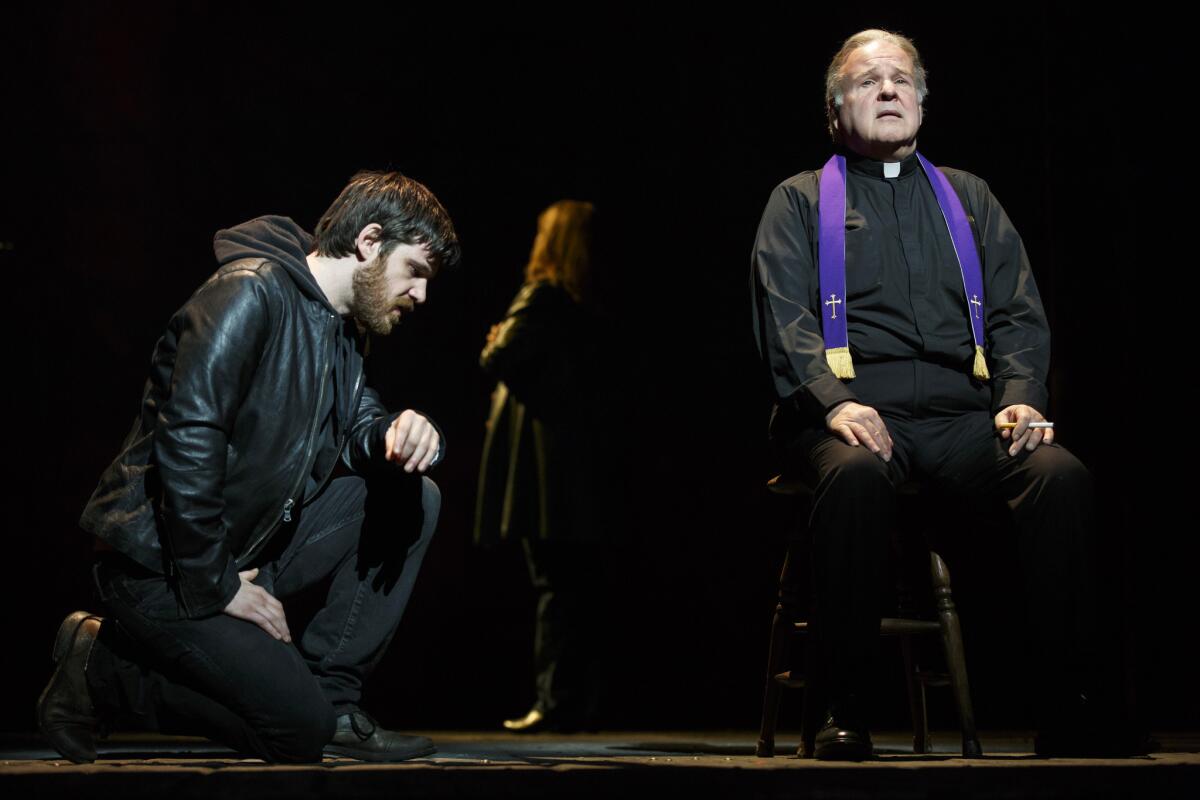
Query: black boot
[[65, 712]]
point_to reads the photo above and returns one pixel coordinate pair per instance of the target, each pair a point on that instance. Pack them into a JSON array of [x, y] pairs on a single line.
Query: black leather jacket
[[228, 432]]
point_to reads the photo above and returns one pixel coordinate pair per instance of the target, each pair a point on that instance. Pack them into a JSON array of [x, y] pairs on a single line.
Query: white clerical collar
[[891, 169]]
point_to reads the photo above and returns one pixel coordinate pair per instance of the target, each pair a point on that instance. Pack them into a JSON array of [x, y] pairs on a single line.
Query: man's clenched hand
[[412, 440]]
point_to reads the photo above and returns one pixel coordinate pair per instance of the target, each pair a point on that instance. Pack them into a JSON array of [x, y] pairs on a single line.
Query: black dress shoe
[[842, 743], [359, 736], [65, 712]]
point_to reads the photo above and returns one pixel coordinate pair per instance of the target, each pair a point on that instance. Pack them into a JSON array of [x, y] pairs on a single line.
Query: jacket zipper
[[291, 502]]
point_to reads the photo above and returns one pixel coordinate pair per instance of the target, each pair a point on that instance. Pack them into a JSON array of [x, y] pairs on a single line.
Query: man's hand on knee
[[858, 425], [412, 441], [1020, 433], [255, 604]]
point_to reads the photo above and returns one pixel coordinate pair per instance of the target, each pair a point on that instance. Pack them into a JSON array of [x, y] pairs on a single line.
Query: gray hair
[[833, 75]]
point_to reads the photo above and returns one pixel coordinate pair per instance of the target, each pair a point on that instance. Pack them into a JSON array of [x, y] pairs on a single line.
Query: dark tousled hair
[[405, 210]]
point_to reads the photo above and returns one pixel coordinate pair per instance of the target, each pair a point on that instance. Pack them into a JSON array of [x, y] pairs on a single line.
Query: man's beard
[[369, 302]]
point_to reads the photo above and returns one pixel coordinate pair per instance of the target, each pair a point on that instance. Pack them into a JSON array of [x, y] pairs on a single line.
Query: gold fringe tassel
[[980, 369], [839, 362]]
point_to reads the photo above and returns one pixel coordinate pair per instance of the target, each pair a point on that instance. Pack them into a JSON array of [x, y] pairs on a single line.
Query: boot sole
[[346, 752]]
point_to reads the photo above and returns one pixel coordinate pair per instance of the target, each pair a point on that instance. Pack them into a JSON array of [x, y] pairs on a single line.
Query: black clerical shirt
[[904, 288]]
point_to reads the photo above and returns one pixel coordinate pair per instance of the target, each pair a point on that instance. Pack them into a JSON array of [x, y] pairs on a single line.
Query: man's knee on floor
[[300, 736]]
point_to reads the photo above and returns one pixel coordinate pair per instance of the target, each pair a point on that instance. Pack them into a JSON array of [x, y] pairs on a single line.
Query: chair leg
[[781, 629], [916, 698], [956, 659], [816, 697]]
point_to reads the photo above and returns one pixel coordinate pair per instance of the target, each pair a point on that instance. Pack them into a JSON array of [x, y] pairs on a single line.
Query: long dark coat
[[538, 475]]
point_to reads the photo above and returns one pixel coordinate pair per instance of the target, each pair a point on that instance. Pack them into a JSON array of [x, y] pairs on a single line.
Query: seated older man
[[901, 324]]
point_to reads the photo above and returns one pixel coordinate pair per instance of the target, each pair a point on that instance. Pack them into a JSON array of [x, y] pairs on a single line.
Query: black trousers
[[569, 643], [226, 678], [943, 433]]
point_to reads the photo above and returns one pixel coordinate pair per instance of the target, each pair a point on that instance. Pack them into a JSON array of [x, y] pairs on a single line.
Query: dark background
[[133, 131]]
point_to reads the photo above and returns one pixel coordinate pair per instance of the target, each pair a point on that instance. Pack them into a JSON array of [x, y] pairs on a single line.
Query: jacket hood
[[277, 239]]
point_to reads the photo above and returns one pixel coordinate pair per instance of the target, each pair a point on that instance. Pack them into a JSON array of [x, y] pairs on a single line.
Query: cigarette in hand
[[1003, 425]]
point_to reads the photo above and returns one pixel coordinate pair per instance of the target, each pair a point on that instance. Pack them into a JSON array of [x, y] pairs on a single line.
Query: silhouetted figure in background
[[539, 478]]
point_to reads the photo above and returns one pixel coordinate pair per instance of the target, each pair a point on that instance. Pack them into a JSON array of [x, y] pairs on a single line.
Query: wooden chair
[[946, 628]]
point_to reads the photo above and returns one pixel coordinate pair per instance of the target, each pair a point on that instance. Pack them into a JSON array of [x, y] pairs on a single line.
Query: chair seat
[[788, 484], [791, 484], [894, 626], [787, 680]]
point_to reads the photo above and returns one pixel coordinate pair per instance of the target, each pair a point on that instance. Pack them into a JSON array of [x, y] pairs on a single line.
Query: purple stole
[[831, 257]]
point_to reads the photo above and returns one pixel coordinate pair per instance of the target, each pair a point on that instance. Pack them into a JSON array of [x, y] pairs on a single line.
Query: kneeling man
[[262, 465]]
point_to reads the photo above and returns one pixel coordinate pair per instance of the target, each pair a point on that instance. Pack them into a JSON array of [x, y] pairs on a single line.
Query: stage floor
[[693, 764]]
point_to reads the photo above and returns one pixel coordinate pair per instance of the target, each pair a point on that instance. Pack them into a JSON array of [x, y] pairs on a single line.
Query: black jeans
[[227, 679], [943, 434], [569, 642]]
